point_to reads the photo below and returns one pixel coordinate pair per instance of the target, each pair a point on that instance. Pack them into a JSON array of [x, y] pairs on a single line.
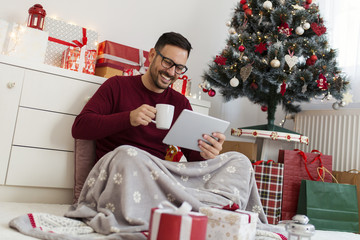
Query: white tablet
[[190, 127]]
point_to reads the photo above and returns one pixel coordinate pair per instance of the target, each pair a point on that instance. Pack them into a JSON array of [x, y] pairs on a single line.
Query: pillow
[[85, 159]]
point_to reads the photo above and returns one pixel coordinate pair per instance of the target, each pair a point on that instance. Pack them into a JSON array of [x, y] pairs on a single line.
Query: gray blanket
[[126, 183]]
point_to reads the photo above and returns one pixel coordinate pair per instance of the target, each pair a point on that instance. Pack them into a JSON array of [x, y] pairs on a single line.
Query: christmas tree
[[276, 54]]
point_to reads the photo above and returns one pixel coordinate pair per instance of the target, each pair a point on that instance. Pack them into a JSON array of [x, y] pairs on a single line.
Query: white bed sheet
[[9, 211]]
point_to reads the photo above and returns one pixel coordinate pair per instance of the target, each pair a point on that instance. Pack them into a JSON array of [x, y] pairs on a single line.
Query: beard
[[156, 76]]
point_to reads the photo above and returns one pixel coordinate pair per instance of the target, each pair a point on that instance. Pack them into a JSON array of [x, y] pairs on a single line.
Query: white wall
[[139, 23]]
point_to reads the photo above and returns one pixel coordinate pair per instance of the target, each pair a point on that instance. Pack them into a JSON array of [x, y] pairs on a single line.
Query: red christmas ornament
[[322, 82], [36, 17], [211, 92], [243, 2], [283, 88], [308, 1], [245, 6], [318, 29], [254, 86], [248, 12], [205, 90], [313, 58], [220, 60], [241, 48], [264, 108], [260, 48], [285, 29], [310, 62]]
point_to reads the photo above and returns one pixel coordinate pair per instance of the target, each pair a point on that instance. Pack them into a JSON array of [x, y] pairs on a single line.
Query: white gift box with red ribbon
[[63, 35], [170, 223], [230, 224]]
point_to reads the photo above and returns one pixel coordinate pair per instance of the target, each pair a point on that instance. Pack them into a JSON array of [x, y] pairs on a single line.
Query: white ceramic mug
[[164, 116]]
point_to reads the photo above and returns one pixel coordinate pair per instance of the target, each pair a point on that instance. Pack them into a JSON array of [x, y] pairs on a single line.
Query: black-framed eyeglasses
[[168, 63]]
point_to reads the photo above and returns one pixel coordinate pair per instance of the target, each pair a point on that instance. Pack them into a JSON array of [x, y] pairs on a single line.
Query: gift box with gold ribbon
[[230, 223]]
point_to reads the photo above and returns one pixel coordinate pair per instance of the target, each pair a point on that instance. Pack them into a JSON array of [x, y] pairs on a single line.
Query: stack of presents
[[303, 183], [76, 48]]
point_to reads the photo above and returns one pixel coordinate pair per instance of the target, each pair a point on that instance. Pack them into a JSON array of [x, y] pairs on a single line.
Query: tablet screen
[[189, 128]]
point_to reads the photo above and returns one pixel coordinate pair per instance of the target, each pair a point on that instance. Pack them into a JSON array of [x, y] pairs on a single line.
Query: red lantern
[[36, 17]]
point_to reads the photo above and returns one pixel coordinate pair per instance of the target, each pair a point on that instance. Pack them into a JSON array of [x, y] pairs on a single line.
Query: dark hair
[[175, 39]]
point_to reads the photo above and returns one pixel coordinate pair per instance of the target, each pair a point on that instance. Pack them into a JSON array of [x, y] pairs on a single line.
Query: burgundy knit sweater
[[106, 117]]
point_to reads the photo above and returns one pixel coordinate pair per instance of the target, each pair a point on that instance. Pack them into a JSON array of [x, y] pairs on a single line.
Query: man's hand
[[142, 115], [211, 151]]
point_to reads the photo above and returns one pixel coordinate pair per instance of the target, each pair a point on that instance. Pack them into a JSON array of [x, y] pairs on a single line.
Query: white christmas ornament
[[335, 106], [232, 30], [299, 30], [228, 23], [234, 82], [347, 98], [291, 60], [267, 5], [275, 63], [306, 26]]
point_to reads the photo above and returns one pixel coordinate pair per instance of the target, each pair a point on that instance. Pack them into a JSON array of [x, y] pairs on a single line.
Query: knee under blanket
[[126, 183]]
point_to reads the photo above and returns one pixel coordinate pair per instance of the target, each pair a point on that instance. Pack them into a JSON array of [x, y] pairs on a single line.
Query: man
[[131, 176], [120, 113]]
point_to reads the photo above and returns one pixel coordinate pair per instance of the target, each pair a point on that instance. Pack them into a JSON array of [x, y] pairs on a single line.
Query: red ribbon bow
[[232, 207], [261, 161], [75, 43], [304, 157]]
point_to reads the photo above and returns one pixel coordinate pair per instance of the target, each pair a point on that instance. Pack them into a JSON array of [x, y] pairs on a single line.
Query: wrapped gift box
[[227, 224], [26, 43], [115, 58], [4, 33], [107, 72], [269, 180], [63, 35], [170, 224], [79, 59], [249, 149], [182, 85]]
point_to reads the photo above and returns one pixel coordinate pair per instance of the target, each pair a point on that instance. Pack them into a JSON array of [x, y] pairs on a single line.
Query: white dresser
[[38, 105]]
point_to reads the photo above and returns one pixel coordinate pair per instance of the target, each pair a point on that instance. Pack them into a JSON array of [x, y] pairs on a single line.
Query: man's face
[[161, 76]]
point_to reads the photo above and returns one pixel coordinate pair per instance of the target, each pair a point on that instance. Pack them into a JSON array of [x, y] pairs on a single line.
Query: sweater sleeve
[[97, 119]]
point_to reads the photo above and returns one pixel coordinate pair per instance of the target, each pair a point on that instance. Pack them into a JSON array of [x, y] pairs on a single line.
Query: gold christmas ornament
[[245, 72], [275, 63]]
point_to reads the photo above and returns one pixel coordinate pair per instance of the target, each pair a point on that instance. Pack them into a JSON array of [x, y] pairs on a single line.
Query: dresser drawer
[[55, 93], [41, 168], [43, 129]]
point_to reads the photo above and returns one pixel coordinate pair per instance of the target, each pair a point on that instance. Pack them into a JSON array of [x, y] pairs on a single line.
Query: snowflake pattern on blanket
[[126, 183]]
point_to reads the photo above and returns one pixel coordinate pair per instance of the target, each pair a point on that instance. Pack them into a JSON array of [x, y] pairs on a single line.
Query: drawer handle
[[11, 84]]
